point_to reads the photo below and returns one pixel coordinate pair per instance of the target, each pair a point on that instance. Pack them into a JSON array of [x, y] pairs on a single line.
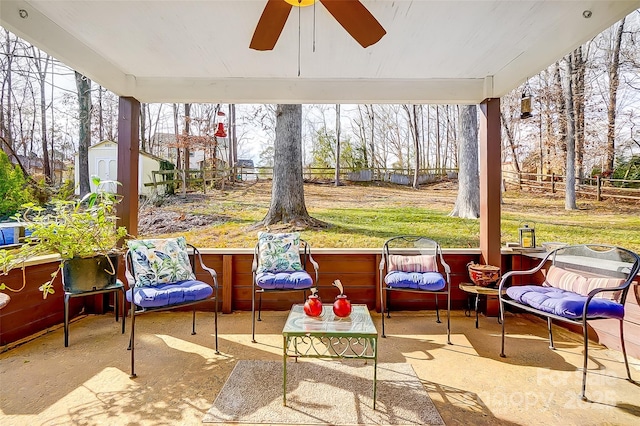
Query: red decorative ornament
[[313, 305], [342, 306]]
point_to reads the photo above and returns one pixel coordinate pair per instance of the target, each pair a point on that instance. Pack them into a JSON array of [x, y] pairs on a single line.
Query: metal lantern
[[527, 236], [525, 106]]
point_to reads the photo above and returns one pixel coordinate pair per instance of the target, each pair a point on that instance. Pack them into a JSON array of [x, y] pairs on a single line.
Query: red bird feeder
[[220, 133]]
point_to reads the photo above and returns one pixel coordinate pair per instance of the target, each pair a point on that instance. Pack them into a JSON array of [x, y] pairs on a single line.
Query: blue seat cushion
[[169, 294], [298, 280], [429, 281], [564, 303]]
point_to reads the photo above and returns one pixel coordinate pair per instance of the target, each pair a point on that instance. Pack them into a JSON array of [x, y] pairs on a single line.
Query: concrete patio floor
[[179, 375]]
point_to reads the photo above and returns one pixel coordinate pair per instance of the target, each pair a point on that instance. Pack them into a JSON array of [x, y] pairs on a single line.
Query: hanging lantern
[[525, 106], [527, 236], [220, 133]]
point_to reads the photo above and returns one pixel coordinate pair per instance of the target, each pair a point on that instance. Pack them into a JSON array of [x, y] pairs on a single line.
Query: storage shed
[[103, 162]]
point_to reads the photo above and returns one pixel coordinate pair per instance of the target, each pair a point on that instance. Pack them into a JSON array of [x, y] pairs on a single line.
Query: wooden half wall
[[358, 269]]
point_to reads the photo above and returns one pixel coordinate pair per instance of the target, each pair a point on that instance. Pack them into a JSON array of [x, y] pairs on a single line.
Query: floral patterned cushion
[[279, 252], [160, 261]]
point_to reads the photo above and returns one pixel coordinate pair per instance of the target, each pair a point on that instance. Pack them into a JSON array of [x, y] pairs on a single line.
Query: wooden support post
[[377, 284], [227, 281], [128, 158], [490, 176], [598, 188]]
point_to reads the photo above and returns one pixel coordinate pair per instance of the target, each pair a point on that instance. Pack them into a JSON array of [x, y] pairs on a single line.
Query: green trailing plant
[[81, 228]]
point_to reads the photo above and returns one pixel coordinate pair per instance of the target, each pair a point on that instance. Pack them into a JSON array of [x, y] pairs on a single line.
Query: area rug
[[334, 392]]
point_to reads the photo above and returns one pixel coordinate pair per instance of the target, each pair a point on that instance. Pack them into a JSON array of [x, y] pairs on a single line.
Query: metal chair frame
[[305, 256], [138, 310], [117, 287], [410, 245], [592, 253]]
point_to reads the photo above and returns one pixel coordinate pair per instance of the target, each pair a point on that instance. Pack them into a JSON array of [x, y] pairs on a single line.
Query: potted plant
[[82, 232]]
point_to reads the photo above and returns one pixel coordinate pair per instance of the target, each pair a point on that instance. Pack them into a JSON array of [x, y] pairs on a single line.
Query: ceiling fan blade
[[357, 20], [270, 25]]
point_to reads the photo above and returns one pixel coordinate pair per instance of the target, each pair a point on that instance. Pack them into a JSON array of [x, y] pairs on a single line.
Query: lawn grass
[[359, 225]]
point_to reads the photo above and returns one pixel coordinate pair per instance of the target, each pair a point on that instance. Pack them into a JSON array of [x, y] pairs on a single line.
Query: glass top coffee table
[[328, 336]]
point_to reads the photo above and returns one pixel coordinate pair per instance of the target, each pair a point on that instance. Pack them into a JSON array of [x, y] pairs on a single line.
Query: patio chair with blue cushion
[[161, 275], [414, 264], [582, 283], [279, 265]]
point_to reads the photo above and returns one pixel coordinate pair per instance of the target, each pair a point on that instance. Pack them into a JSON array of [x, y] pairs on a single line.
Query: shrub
[[13, 187]]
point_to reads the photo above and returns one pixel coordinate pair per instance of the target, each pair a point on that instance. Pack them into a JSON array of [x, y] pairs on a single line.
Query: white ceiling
[[198, 51]]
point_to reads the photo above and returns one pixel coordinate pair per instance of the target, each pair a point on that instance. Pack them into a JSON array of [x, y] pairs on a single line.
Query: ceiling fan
[[351, 14]]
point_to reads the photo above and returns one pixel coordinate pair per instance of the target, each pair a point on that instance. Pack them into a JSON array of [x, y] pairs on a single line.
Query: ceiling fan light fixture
[[300, 3]]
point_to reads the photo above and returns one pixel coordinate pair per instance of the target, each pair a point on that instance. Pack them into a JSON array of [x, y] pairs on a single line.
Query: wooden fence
[[218, 177], [597, 187]]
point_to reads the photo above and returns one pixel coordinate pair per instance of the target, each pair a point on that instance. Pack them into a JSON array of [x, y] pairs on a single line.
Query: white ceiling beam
[[40, 31], [328, 91]]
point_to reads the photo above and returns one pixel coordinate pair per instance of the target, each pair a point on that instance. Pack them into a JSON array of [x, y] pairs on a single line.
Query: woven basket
[[483, 275]]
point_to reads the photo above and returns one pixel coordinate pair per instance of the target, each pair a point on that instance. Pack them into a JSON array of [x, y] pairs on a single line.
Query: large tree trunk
[[83, 85], [614, 82], [570, 190], [287, 192], [468, 201]]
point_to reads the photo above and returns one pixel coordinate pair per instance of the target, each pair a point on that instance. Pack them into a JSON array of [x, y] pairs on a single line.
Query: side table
[[328, 336], [471, 290]]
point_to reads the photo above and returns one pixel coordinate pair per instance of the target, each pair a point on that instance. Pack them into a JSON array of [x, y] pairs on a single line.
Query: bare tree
[[468, 200], [412, 119], [186, 132], [580, 68], [337, 176], [143, 125], [510, 139], [614, 82], [570, 181], [42, 64], [287, 192], [7, 86], [83, 84]]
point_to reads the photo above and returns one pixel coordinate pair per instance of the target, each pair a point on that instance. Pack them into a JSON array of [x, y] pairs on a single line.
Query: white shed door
[[107, 169]]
